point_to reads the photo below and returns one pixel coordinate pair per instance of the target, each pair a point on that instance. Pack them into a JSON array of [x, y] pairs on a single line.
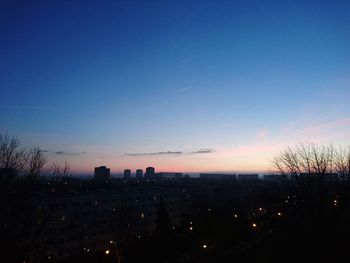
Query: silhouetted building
[[248, 176], [218, 176], [102, 173], [271, 177], [170, 175], [127, 173], [150, 172], [140, 216], [139, 173]]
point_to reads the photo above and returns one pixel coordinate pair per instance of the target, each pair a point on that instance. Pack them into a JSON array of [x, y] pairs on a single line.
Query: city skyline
[[183, 87]]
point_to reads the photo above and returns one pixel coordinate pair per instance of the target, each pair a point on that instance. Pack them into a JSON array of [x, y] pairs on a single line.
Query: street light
[[107, 252]]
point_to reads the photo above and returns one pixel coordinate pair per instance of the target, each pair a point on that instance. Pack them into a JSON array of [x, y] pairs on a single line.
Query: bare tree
[[60, 172], [12, 158], [35, 163], [320, 177], [342, 163], [305, 163], [24, 213]]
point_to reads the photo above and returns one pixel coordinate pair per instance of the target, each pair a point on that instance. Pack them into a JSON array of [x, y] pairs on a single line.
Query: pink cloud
[[326, 126], [261, 134]]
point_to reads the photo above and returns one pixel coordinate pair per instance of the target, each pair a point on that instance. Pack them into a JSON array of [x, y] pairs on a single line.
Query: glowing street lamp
[[204, 246], [107, 252], [254, 225], [279, 213]]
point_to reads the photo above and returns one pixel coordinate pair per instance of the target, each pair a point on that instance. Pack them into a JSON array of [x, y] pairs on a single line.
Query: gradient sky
[[180, 85]]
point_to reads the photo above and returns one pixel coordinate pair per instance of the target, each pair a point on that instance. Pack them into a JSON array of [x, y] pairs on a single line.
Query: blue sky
[[94, 82]]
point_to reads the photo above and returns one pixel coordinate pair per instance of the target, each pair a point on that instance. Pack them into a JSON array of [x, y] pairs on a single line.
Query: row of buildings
[[88, 218], [103, 173]]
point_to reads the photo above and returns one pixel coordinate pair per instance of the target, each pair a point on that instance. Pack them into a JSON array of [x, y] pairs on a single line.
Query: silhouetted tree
[[35, 163], [12, 158], [319, 177], [27, 200]]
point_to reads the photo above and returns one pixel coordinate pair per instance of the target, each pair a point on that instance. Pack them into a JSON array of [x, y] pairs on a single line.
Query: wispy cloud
[[69, 153], [180, 90], [261, 134], [326, 126], [203, 151], [25, 107], [155, 153]]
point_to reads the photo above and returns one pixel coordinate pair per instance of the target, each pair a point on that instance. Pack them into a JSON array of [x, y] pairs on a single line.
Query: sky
[[187, 86]]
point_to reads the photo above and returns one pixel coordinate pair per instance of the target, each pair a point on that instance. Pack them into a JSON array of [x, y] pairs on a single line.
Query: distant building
[[248, 176], [127, 173], [102, 173], [217, 176], [139, 173], [170, 175], [150, 172], [271, 177]]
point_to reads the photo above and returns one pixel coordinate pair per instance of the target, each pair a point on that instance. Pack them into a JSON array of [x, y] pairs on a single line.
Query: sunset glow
[[180, 87]]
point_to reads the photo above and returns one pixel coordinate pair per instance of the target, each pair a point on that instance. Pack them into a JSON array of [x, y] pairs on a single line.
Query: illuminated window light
[[107, 252], [204, 246], [254, 225]]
